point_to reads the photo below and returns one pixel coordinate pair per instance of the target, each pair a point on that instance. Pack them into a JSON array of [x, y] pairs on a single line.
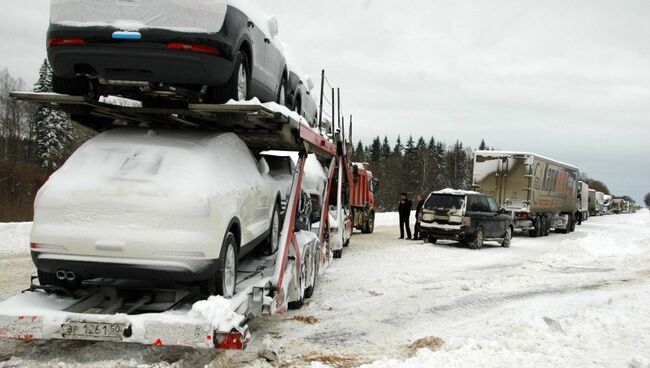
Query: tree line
[[34, 141], [418, 166]]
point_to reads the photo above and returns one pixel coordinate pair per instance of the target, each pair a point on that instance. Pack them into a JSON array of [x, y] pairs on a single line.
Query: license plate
[[93, 330]]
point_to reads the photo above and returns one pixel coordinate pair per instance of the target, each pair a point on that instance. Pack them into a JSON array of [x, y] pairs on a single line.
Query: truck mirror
[[263, 166], [273, 26]]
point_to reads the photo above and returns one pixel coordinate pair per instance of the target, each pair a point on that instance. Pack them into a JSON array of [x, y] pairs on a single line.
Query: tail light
[[202, 49], [66, 42], [230, 341]]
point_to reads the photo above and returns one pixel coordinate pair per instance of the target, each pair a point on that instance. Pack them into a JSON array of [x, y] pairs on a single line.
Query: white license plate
[[93, 330]]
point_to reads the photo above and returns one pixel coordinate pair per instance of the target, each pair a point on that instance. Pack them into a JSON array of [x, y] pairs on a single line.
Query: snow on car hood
[[195, 16]]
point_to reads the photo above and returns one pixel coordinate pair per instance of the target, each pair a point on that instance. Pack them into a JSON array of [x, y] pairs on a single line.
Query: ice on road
[[577, 300]]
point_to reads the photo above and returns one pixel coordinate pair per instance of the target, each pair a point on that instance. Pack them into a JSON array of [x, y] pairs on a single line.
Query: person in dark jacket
[[418, 210], [404, 215]]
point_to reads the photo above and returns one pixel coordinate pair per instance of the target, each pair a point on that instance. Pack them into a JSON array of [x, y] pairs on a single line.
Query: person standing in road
[[418, 210], [405, 206]]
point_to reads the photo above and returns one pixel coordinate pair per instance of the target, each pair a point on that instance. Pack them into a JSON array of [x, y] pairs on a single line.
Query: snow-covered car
[[467, 217], [156, 205], [210, 50], [299, 89], [283, 165]]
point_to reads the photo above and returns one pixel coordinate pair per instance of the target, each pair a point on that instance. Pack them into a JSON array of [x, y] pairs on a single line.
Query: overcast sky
[[566, 79]]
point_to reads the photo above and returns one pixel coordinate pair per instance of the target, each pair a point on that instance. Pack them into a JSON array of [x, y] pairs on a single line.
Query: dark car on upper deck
[[152, 50], [468, 217]]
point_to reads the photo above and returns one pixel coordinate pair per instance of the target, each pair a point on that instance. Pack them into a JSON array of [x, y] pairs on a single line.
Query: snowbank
[[14, 237], [217, 311]]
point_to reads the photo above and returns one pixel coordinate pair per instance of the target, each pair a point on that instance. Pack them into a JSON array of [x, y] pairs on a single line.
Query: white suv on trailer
[[160, 205]]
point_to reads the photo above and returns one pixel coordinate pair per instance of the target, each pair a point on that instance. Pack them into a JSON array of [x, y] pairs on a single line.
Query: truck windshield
[[436, 201]]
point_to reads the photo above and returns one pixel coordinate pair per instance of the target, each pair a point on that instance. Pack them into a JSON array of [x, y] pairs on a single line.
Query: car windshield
[[436, 201]]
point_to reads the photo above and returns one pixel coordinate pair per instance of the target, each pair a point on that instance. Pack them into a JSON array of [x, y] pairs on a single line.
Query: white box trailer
[[539, 192], [119, 310], [583, 199]]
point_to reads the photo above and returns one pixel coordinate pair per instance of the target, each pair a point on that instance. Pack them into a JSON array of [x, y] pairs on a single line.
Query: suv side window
[[485, 205], [473, 204], [493, 205]]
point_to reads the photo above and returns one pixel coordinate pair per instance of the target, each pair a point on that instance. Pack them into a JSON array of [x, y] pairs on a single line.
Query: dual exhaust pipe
[[65, 275]]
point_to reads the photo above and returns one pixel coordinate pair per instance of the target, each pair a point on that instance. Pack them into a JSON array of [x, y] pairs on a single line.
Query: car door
[[498, 221], [274, 61], [474, 211], [258, 75]]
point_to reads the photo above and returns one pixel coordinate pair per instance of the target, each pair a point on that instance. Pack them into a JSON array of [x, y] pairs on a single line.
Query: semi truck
[[596, 203], [538, 192], [618, 205], [583, 200]]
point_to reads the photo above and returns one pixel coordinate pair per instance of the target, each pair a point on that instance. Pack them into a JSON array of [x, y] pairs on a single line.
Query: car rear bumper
[[444, 231], [89, 267], [141, 63]]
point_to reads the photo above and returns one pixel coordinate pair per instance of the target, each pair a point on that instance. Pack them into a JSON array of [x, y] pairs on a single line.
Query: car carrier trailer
[[109, 310], [540, 193]]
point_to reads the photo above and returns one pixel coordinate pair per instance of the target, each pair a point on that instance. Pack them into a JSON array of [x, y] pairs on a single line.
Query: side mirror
[[310, 83], [502, 211], [273, 26], [263, 166]]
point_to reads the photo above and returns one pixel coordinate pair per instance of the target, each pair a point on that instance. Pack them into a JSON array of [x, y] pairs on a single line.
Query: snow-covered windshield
[[437, 201], [131, 15]]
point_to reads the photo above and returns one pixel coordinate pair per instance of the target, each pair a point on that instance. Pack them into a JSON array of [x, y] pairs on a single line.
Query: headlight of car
[[427, 217]]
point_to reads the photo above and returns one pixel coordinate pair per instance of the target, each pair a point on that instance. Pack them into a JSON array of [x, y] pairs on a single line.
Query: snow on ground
[[14, 238], [577, 300]]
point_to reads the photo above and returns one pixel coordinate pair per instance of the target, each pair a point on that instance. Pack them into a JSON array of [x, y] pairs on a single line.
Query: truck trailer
[[538, 192], [583, 199], [362, 197]]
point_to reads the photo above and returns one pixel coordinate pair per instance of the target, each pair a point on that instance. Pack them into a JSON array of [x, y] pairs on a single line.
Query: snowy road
[[566, 300]]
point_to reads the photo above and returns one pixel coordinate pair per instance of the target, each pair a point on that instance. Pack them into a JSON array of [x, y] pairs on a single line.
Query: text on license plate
[[100, 330]]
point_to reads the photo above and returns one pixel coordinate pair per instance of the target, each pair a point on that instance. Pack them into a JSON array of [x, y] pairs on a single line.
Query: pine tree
[[482, 146], [410, 167], [53, 128], [398, 151], [385, 149], [375, 151], [359, 153]]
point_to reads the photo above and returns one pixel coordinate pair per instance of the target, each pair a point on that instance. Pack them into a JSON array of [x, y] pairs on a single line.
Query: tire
[[273, 242], [479, 238], [534, 233], [337, 253], [369, 224], [547, 229], [300, 302], [315, 258], [431, 239], [225, 280], [237, 86], [507, 238], [572, 225], [297, 105], [282, 92]]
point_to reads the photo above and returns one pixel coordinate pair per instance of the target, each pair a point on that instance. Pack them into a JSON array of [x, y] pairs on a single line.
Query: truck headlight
[[427, 217]]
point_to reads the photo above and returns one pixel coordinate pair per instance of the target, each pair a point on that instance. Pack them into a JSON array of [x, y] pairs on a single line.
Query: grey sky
[[567, 79]]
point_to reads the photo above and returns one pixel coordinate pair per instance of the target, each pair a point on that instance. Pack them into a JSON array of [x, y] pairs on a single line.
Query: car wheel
[[225, 280], [477, 243], [301, 301], [313, 274], [273, 242], [237, 87], [507, 238], [282, 92]]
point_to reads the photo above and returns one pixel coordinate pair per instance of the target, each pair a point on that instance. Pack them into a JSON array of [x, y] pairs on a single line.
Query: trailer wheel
[[507, 238], [479, 238], [547, 228], [273, 242], [534, 232], [224, 281]]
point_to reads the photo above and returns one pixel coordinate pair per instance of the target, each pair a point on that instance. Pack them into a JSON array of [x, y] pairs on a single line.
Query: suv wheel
[[479, 238], [224, 281], [273, 242], [237, 87], [507, 238]]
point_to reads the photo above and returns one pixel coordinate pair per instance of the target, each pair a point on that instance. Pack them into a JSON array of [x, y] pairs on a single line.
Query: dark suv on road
[[468, 217]]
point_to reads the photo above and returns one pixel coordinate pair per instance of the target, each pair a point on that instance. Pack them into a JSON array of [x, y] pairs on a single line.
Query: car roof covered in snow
[[450, 191], [519, 153]]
